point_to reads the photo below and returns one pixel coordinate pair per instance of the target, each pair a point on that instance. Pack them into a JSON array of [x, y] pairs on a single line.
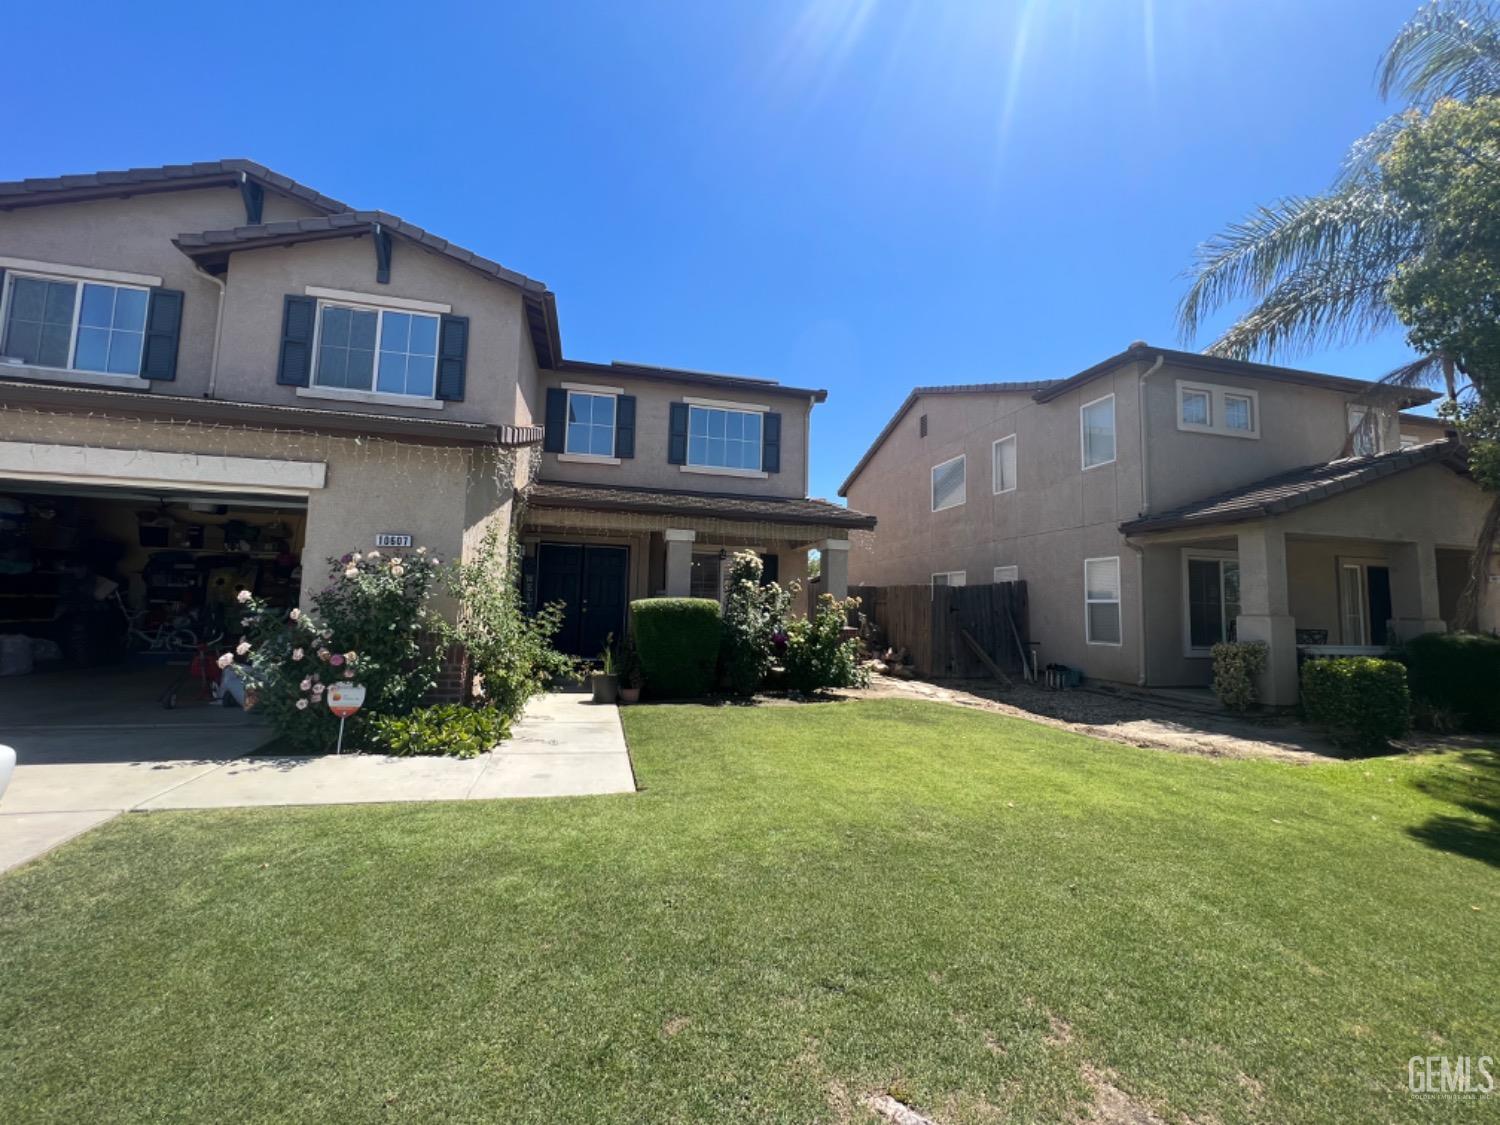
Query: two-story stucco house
[[1161, 501], [212, 376]]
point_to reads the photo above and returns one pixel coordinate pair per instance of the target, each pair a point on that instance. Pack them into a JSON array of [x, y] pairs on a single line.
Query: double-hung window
[[950, 578], [1101, 600], [1096, 421], [591, 424], [1007, 574], [74, 325], [948, 484], [1212, 592], [1003, 454], [381, 350], [723, 439]]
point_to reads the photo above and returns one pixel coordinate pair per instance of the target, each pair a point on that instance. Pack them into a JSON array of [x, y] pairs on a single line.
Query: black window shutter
[[298, 317], [677, 434], [163, 329], [770, 443], [625, 426], [555, 436], [453, 358], [770, 569]]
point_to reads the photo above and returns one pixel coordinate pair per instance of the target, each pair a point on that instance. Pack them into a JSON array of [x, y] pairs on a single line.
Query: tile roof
[[622, 369], [1297, 488], [170, 177], [728, 506]]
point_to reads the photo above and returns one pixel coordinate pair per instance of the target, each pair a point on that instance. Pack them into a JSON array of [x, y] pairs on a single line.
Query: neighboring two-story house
[[1161, 501], [212, 376]]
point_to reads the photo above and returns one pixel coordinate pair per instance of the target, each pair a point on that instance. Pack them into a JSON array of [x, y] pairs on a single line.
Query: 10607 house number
[[392, 539]]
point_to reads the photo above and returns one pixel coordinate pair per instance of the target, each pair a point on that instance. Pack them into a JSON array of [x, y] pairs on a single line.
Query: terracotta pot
[[630, 695]]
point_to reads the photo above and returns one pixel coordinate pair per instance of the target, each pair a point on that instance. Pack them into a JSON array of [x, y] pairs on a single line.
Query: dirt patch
[[675, 1026], [1061, 1034], [1112, 1105], [1136, 721], [883, 1105]]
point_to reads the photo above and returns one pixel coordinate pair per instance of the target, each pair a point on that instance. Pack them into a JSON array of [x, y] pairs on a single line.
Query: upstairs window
[[723, 439], [1003, 453], [352, 340], [591, 424], [1097, 421], [948, 484], [1365, 431], [1211, 409], [74, 325]]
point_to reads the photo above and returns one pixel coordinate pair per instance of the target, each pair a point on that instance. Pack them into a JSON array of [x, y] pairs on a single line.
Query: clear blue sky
[[862, 195]]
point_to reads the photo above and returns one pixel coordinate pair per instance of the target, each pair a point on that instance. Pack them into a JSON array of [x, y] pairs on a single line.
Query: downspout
[[1140, 552], [213, 363]]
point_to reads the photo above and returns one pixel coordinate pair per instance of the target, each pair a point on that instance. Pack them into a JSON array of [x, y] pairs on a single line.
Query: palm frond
[[1362, 161], [1424, 372], [1448, 49], [1316, 306], [1357, 234]]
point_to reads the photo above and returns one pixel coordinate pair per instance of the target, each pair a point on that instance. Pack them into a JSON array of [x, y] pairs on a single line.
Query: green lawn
[[806, 904]]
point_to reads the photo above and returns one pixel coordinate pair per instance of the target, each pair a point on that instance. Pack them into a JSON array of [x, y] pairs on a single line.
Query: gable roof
[[170, 177], [211, 250], [1024, 387], [1287, 491], [721, 505]]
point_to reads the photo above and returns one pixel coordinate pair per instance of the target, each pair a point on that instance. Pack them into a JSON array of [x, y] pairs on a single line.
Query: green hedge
[[1236, 666], [1363, 702], [677, 640], [1458, 672]]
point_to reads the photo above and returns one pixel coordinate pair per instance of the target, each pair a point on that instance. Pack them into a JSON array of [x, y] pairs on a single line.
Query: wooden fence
[[930, 623]]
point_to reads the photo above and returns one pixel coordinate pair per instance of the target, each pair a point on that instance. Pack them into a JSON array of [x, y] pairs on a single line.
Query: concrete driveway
[[71, 777]]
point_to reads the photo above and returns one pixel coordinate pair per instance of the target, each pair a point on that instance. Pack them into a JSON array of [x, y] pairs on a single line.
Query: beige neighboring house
[[215, 360], [1161, 501]]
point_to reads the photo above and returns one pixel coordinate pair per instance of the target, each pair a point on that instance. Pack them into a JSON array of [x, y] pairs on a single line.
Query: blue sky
[[862, 195]]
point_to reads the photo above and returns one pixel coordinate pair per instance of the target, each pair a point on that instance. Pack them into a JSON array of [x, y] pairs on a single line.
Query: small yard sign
[[343, 701], [392, 539]]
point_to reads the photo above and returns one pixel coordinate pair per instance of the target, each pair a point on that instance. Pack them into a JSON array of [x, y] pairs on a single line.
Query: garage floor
[[90, 747]]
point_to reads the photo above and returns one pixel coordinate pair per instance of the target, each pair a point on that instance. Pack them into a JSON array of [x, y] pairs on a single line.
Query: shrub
[[1236, 666], [1361, 700], [511, 657], [817, 655], [447, 728], [1458, 673], [754, 616], [678, 643], [369, 625]]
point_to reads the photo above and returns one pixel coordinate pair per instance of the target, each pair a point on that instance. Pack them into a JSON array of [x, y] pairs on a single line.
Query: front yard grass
[[804, 906]]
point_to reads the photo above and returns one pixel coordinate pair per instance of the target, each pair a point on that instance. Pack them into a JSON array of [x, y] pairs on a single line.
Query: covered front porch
[[1318, 571], [597, 549]]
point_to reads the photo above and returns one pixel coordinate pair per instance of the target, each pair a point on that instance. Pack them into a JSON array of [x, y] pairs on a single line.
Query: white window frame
[[1118, 601], [78, 281], [1354, 415], [995, 464], [1083, 433], [1188, 648], [963, 496], [1010, 573], [609, 458], [953, 578], [1218, 412], [374, 391], [752, 409]]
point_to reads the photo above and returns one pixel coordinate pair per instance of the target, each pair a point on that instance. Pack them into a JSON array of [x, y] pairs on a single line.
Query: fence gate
[[930, 623]]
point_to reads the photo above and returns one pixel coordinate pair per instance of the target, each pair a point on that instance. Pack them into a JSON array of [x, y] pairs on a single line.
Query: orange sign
[[345, 699]]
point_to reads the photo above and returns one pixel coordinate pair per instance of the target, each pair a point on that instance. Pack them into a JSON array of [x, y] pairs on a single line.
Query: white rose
[[242, 597], [305, 685], [297, 654], [352, 572], [296, 615], [242, 648], [302, 705], [226, 660]]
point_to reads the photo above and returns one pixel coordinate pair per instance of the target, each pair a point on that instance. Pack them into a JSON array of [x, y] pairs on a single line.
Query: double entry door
[[591, 582]]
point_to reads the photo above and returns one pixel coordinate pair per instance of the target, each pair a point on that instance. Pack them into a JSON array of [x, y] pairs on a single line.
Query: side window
[[1101, 601], [1003, 454], [948, 484], [1097, 423], [1007, 574], [1365, 430]]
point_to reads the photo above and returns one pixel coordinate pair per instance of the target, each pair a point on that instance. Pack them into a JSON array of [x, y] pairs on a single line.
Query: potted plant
[[606, 681], [631, 679]]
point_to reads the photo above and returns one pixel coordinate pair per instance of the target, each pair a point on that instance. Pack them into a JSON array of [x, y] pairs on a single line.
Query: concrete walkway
[[70, 780]]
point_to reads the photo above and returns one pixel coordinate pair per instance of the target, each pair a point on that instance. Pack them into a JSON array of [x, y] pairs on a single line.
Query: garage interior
[[126, 589]]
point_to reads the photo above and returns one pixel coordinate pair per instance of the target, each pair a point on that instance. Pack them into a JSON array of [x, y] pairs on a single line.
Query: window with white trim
[[1366, 430], [1096, 421], [1211, 599], [1206, 408], [74, 325], [591, 424], [1101, 600], [1003, 458], [388, 351], [1007, 574], [723, 439], [948, 483], [950, 578]]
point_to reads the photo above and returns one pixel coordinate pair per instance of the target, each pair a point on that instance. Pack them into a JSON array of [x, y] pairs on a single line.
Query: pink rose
[[336, 659]]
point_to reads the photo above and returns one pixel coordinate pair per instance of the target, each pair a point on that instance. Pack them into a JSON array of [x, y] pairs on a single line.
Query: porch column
[[1414, 590], [1265, 613], [679, 561], [835, 554]]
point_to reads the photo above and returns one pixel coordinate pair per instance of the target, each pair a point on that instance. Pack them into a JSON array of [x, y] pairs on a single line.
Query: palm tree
[[1317, 269]]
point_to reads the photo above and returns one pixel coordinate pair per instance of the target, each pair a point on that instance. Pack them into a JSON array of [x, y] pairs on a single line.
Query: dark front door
[[590, 582], [1378, 583]]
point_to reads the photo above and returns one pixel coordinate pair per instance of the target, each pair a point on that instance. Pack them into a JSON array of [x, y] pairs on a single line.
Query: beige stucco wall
[[258, 280], [649, 467], [135, 235]]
